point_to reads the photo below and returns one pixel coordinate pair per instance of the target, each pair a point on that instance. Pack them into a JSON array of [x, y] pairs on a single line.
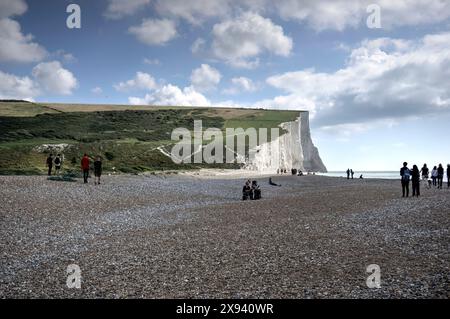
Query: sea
[[367, 174]]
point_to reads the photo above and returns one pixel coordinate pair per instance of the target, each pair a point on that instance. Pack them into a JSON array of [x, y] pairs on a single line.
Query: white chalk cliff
[[293, 149]]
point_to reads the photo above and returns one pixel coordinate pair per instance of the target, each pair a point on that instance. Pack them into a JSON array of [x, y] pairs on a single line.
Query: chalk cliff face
[[293, 149]]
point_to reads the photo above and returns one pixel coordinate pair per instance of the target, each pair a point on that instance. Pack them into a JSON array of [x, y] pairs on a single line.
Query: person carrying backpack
[[97, 170], [405, 173], [58, 163], [434, 175]]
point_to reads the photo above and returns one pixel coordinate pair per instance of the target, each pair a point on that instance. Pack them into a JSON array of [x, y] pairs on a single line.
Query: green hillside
[[127, 137]]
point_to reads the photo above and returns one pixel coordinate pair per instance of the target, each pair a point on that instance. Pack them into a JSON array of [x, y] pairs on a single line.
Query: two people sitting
[[251, 190]]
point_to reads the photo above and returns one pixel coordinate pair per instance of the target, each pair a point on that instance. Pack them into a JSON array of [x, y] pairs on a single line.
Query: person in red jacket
[[85, 167]]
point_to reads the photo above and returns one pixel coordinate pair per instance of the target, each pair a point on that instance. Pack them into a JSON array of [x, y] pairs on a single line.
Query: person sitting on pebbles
[[256, 190], [247, 192]]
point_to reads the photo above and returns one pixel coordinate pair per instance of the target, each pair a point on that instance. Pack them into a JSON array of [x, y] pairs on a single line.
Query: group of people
[[351, 173], [85, 166], [414, 175], [57, 161], [251, 190]]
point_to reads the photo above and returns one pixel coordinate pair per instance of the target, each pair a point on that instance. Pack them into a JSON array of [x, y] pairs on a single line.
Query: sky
[[374, 74]]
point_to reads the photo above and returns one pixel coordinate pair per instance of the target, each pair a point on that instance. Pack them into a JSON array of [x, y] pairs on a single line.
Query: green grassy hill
[[127, 137]]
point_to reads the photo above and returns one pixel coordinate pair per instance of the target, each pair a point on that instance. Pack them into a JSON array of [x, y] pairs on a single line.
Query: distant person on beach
[[58, 164], [272, 183], [352, 173], [97, 169], [405, 173], [434, 175], [448, 175], [415, 176], [440, 176], [247, 191], [256, 190], [49, 163], [361, 177], [85, 167], [425, 171], [348, 173]]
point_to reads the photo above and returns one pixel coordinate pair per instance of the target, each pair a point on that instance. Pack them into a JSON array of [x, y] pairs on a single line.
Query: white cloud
[[9, 8], [239, 41], [154, 31], [142, 81], [97, 90], [342, 14], [384, 79], [205, 78], [173, 96], [119, 8], [17, 47], [198, 46], [194, 12], [152, 61], [14, 87], [241, 84], [54, 79]]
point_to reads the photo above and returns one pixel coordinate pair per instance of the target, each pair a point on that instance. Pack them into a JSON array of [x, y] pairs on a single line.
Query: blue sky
[[377, 96]]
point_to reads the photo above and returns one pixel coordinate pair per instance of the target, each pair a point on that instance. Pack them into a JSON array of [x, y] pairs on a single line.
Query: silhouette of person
[[440, 176], [49, 163], [405, 173], [415, 181]]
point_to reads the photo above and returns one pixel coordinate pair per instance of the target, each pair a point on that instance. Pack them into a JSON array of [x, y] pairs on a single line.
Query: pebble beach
[[187, 236]]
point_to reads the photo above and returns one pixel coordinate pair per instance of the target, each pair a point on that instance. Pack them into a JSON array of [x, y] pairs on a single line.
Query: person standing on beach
[[98, 169], [448, 175], [348, 173], [58, 163], [434, 175], [405, 173], [425, 172], [440, 176], [85, 167], [50, 164], [415, 181], [352, 172]]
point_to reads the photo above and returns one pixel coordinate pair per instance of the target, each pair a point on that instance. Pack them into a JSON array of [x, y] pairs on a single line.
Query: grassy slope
[[125, 136]]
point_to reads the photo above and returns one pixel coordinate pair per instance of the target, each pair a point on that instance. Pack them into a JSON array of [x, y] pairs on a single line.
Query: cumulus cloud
[[384, 79], [172, 95], [154, 31], [239, 41], [193, 11], [342, 14], [205, 78], [119, 8], [17, 47], [141, 81], [15, 87], [54, 79], [10, 8], [97, 90], [48, 77], [241, 84]]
